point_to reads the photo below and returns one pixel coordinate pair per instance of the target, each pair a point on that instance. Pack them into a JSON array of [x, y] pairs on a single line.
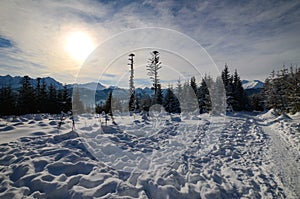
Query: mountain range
[[16, 82], [251, 87]]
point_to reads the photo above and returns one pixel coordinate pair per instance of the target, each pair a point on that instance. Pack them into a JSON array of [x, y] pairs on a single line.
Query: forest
[[281, 92]]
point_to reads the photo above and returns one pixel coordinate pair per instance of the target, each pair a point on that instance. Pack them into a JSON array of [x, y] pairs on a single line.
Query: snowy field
[[241, 155]]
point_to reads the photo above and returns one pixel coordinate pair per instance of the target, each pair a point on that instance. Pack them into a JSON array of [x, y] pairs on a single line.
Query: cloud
[[245, 34], [5, 43]]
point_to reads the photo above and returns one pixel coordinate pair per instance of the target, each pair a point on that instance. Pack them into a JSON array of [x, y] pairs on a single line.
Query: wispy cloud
[[252, 36]]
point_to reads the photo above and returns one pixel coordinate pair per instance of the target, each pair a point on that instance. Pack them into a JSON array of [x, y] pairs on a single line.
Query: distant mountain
[[252, 87], [254, 84], [16, 82], [90, 86], [86, 89]]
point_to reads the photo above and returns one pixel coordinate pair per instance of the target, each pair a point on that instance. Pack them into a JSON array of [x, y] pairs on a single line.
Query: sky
[[88, 40]]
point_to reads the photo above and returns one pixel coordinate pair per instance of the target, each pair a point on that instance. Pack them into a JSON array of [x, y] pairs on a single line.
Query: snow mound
[[7, 128], [270, 114]]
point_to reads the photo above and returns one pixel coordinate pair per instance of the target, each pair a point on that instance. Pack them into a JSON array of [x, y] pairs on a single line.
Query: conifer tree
[[7, 101], [27, 97], [66, 100], [43, 104], [153, 67], [108, 105], [52, 100], [239, 97], [204, 96], [228, 84], [170, 102], [158, 96], [179, 90], [194, 84], [78, 106], [131, 105]]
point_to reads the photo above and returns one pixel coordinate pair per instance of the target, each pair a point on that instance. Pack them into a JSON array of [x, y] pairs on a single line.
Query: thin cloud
[[245, 34]]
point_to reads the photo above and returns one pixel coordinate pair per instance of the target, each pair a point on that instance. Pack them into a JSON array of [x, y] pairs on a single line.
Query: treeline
[[30, 99], [185, 97], [282, 90]]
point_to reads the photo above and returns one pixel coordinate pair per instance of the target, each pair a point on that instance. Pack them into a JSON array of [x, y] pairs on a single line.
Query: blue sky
[[253, 37]]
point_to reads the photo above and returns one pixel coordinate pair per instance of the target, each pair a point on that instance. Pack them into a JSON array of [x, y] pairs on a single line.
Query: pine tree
[[38, 95], [7, 101], [146, 102], [66, 100], [131, 82], [27, 97], [170, 102], [77, 103], [293, 92], [131, 105], [270, 91], [194, 84], [43, 99], [108, 105], [282, 91], [179, 90], [228, 84], [204, 96], [189, 101], [239, 97], [158, 96], [218, 97], [52, 100], [153, 67]]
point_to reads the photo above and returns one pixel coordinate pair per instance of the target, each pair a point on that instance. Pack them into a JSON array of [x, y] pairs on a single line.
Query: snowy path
[[241, 157], [285, 162]]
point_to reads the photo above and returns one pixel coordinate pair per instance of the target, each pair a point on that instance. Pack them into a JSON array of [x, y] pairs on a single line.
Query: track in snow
[[285, 162]]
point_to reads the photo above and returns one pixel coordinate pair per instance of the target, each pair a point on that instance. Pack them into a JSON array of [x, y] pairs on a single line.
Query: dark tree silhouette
[[153, 67]]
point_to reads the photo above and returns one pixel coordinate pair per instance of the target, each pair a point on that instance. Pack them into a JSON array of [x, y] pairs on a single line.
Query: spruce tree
[[53, 106], [43, 99], [108, 105], [228, 84], [27, 97], [170, 102], [204, 96], [239, 97], [179, 90], [153, 67], [158, 96], [131, 105], [194, 84], [77, 103], [66, 100], [7, 101]]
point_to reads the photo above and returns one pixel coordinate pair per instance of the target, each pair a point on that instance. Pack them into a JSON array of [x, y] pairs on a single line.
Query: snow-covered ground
[[241, 155]]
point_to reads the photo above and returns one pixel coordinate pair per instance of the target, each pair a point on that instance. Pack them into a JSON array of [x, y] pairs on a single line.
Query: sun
[[79, 45]]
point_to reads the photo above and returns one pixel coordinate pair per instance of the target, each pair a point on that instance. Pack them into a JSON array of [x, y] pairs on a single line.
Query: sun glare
[[79, 45]]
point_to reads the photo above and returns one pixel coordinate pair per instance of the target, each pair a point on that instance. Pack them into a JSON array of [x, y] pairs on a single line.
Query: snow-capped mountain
[[90, 86], [16, 82], [254, 84]]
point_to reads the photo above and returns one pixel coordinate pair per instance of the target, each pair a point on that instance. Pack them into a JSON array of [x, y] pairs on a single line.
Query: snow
[[254, 84], [166, 156]]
